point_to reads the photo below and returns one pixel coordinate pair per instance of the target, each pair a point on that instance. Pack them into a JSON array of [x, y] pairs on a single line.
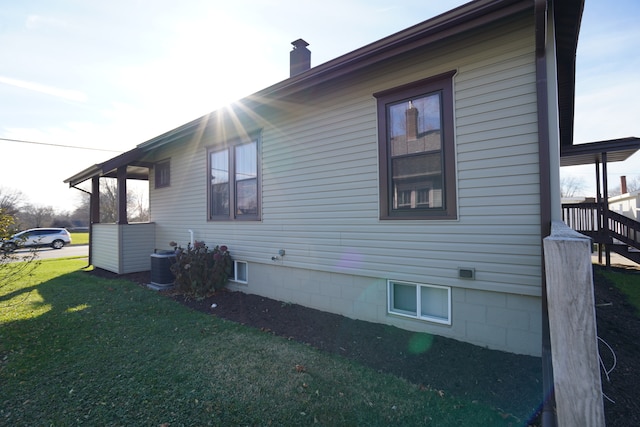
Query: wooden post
[[94, 201], [572, 320], [122, 195], [605, 210]]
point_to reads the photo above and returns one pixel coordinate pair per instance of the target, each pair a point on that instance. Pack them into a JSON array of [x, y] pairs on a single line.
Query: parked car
[[35, 237]]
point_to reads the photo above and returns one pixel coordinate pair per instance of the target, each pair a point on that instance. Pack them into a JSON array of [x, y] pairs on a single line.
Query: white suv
[[54, 237]]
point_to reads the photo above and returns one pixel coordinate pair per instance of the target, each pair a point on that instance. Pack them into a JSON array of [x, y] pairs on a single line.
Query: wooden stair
[[618, 233], [626, 252]]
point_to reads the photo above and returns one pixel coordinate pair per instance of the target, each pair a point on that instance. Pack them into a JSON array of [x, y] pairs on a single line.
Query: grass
[[79, 238], [629, 284], [76, 349]]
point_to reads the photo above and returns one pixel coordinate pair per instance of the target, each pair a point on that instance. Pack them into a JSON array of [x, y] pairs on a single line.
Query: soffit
[[568, 16], [617, 150], [132, 160]]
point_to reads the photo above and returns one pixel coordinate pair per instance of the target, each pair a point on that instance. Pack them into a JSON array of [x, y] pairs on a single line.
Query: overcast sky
[[108, 75]]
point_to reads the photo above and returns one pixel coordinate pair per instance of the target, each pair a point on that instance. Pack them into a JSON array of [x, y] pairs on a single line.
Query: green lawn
[[76, 349], [79, 238], [628, 283]]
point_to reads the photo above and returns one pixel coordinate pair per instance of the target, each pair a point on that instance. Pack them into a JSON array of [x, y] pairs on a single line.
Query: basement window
[[431, 303], [240, 272]]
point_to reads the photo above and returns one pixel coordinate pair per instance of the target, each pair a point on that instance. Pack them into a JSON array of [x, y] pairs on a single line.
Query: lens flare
[[420, 343]]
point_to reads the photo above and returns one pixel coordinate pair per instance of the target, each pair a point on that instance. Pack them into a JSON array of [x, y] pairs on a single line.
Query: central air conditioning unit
[[161, 275]]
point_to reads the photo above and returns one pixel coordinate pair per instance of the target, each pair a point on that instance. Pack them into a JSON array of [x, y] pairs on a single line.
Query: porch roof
[[617, 150], [136, 168]]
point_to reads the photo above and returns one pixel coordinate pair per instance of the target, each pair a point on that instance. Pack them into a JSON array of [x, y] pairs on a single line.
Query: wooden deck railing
[[624, 229], [589, 219], [585, 218]]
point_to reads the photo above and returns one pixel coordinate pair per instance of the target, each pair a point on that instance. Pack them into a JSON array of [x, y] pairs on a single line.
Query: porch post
[[94, 201], [605, 208], [122, 195], [574, 335], [94, 212], [598, 209]]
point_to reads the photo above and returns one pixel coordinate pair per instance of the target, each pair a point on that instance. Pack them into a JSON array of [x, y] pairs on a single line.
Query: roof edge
[[447, 24]]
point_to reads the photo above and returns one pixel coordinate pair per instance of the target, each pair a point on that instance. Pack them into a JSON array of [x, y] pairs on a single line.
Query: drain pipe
[[548, 416], [191, 237]]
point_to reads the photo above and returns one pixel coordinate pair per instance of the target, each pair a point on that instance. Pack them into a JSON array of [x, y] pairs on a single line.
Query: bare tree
[[36, 216], [108, 200], [633, 184], [137, 206], [570, 186], [11, 200], [80, 216], [14, 267]]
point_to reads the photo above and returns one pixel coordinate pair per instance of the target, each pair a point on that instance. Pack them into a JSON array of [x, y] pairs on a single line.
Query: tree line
[[571, 186], [24, 215]]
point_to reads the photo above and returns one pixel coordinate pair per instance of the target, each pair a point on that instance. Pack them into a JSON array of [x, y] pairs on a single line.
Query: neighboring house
[[409, 182], [627, 204]]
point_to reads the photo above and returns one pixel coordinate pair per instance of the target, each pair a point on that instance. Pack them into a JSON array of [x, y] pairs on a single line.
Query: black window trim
[[158, 166], [439, 83]]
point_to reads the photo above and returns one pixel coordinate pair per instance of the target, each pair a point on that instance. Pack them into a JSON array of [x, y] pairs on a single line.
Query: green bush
[[199, 271]]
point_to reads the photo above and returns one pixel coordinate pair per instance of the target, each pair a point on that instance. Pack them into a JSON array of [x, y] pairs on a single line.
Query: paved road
[[67, 251]]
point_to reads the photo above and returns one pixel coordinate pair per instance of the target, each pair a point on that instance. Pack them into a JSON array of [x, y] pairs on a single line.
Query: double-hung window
[[162, 174], [234, 180], [416, 150]]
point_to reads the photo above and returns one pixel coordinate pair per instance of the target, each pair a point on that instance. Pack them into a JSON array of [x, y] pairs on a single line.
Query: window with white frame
[[240, 272], [421, 301]]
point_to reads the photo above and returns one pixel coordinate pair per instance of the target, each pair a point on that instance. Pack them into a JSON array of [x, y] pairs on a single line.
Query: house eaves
[[467, 17], [456, 21], [136, 168], [615, 150], [476, 14]]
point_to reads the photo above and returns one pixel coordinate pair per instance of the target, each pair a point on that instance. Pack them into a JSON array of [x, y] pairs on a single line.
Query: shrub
[[199, 271]]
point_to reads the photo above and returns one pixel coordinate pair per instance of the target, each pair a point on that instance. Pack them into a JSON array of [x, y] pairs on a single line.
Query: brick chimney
[[300, 57], [412, 122], [623, 185]]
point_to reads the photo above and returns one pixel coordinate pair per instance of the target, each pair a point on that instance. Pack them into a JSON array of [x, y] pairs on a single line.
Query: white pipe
[[191, 237]]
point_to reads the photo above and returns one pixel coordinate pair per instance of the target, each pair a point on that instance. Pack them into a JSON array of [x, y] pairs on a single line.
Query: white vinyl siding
[[105, 238], [137, 245], [320, 178], [123, 248]]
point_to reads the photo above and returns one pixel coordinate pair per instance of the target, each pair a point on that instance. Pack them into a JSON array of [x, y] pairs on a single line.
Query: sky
[[83, 81]]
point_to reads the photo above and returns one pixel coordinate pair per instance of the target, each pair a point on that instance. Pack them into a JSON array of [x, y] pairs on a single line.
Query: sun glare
[[77, 308], [23, 306]]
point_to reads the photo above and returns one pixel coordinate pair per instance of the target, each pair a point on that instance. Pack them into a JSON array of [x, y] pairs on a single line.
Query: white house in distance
[[627, 203], [409, 182]]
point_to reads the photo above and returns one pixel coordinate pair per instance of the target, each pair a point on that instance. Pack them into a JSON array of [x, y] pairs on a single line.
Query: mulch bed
[[508, 382], [619, 328]]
